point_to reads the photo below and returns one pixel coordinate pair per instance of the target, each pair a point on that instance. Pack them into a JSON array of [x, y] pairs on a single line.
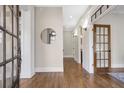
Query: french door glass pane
[[15, 12], [106, 63], [98, 64], [102, 30], [97, 47], [9, 74], [102, 55], [102, 64], [1, 15], [15, 68], [15, 47], [101, 39], [98, 55], [102, 47], [106, 55], [106, 47], [106, 39], [8, 46], [97, 30], [15, 25], [1, 46], [1, 77], [106, 31], [97, 39], [8, 19]]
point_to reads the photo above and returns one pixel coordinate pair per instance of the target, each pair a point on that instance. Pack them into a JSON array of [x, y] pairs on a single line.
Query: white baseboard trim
[[117, 66], [86, 69], [27, 76], [49, 69], [76, 60]]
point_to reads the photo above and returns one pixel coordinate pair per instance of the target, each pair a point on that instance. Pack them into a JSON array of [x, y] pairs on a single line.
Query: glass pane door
[[10, 55], [102, 49]]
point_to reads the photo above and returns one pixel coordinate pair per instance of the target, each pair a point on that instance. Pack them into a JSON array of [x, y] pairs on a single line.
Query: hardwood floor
[[74, 76]]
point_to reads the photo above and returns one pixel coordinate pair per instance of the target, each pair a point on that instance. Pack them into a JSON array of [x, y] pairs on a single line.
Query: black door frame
[[15, 36]]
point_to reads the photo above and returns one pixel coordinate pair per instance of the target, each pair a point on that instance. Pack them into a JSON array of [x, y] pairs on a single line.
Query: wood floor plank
[[74, 76]]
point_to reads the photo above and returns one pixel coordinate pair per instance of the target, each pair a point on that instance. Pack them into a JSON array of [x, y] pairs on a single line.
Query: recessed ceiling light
[[70, 17]]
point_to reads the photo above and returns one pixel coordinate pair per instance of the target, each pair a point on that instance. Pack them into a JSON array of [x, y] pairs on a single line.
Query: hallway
[[73, 77]]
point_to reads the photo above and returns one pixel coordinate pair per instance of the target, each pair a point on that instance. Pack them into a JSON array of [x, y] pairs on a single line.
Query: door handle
[[109, 51]]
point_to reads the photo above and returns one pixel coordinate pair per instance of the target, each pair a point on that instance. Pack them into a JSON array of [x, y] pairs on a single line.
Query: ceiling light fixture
[[70, 17]]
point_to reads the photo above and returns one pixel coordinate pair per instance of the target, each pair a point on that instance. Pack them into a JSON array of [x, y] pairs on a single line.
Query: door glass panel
[[15, 68], [106, 63], [8, 19], [101, 39], [15, 25], [102, 30], [97, 39], [102, 55], [15, 47], [97, 47], [98, 64], [106, 47], [1, 46], [98, 55], [106, 31], [102, 63], [9, 74], [1, 77], [8, 46], [102, 47], [106, 55], [15, 12], [106, 39], [1, 15], [97, 30]]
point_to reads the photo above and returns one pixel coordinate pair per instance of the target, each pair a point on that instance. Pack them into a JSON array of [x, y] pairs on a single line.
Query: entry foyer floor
[[74, 76]]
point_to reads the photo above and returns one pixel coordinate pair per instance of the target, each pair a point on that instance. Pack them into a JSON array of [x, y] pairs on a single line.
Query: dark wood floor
[[74, 76]]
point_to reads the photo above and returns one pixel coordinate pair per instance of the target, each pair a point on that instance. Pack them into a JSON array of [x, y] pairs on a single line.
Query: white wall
[[87, 51], [87, 45], [76, 46], [49, 58], [27, 41], [68, 43], [117, 46]]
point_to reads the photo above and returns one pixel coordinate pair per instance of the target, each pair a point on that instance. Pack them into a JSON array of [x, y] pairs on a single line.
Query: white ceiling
[[72, 14], [118, 10]]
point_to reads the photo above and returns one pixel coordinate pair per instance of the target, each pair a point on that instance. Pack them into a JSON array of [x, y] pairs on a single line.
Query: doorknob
[[109, 51]]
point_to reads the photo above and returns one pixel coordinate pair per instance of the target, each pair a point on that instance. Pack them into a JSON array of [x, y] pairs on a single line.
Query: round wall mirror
[[48, 36]]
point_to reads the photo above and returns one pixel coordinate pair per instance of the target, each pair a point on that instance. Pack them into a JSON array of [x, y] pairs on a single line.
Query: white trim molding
[[117, 66], [49, 69], [27, 75]]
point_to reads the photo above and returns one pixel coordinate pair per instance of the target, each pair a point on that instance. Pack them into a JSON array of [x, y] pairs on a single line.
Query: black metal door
[[10, 53]]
